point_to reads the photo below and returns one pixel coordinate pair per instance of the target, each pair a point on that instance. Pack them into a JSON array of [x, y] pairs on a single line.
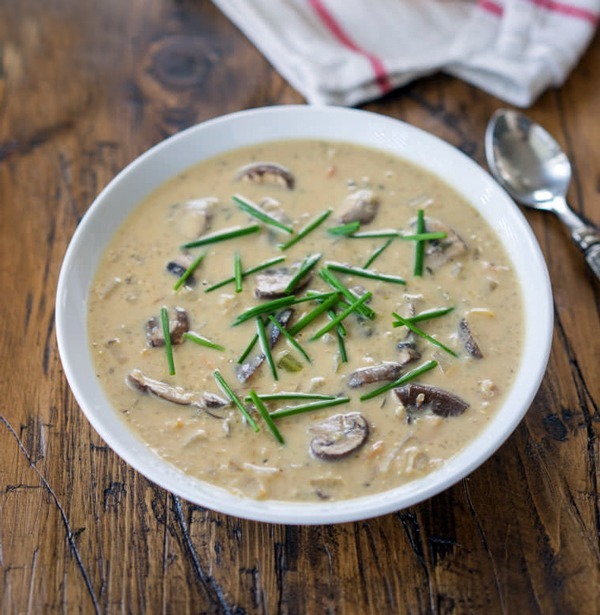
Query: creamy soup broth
[[218, 446]]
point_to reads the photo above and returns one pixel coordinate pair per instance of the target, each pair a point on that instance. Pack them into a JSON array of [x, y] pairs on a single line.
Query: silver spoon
[[531, 166]]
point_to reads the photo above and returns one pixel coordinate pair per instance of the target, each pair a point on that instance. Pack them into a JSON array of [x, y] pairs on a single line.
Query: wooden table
[[84, 88]]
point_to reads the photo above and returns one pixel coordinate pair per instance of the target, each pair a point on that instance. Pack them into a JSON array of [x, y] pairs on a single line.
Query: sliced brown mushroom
[[266, 173], [178, 266], [438, 252], [417, 398], [360, 206], [387, 370], [175, 395], [246, 370], [338, 436], [273, 283], [177, 327], [193, 218], [466, 337]]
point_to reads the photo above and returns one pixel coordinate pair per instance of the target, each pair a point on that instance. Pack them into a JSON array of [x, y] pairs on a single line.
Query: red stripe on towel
[[568, 9], [549, 5], [491, 7], [381, 76]]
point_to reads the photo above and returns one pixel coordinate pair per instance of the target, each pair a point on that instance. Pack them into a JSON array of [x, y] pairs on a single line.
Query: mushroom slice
[[387, 370], [407, 347], [338, 436], [175, 395], [177, 327], [466, 337], [266, 173], [441, 251], [360, 206], [193, 218], [273, 283], [417, 398], [246, 370], [178, 266]]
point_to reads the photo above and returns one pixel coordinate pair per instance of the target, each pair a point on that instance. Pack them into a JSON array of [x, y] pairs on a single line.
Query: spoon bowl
[[532, 167]]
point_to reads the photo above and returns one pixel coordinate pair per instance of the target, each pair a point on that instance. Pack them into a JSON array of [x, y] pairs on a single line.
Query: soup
[[305, 320]]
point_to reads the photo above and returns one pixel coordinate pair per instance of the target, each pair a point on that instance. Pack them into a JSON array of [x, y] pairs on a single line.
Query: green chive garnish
[[344, 229], [231, 233], [402, 380], [427, 315], [188, 272], [262, 410], [271, 306], [235, 399], [389, 232], [328, 277], [377, 252], [164, 318], [421, 333], [364, 273], [201, 341], [307, 265], [338, 319], [419, 245], [290, 411], [237, 272], [289, 338], [285, 395], [341, 344], [248, 349], [265, 265], [256, 212], [311, 226], [424, 236], [331, 300], [266, 347]]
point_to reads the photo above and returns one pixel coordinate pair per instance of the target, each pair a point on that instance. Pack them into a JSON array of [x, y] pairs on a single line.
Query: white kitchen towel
[[346, 52]]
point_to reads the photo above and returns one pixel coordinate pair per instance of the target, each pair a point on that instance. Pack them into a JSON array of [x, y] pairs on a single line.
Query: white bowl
[[291, 122]]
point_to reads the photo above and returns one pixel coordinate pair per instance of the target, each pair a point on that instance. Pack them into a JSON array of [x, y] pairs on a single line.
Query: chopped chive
[[230, 233], [344, 229], [377, 252], [256, 212], [402, 380], [166, 328], [340, 327], [338, 319], [389, 232], [425, 236], [266, 347], [364, 273], [201, 341], [291, 410], [311, 226], [421, 333], [285, 395], [427, 315], [237, 272], [248, 349], [265, 265], [341, 344], [289, 338], [188, 272], [275, 304], [328, 277], [419, 245], [235, 399], [262, 410], [312, 315], [307, 265]]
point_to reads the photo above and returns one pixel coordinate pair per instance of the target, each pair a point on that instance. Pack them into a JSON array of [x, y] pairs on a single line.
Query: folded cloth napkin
[[347, 52]]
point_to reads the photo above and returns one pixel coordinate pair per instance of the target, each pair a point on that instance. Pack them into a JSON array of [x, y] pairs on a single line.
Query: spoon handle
[[588, 240]]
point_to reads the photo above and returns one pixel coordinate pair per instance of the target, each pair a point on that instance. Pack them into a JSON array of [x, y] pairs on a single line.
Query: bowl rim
[[163, 160]]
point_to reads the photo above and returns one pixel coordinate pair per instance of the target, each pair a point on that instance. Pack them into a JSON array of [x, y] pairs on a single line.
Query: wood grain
[[84, 88]]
